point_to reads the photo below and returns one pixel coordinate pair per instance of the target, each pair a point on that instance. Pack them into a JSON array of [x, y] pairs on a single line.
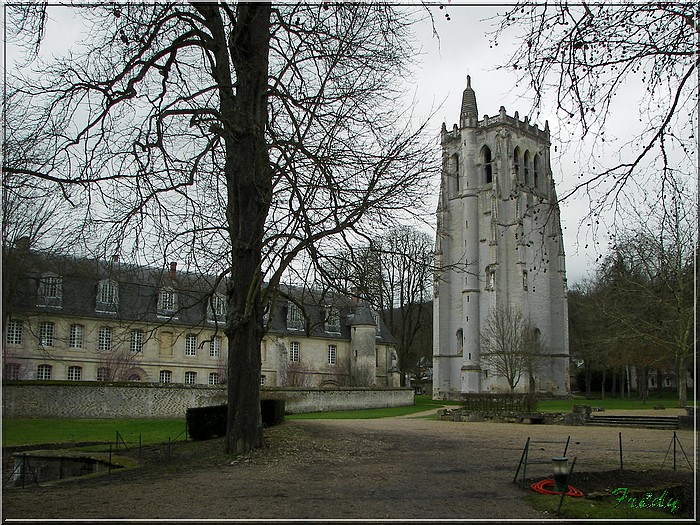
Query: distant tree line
[[637, 313]]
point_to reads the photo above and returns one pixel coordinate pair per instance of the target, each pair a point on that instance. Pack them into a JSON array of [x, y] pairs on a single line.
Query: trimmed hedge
[[209, 422], [272, 412]]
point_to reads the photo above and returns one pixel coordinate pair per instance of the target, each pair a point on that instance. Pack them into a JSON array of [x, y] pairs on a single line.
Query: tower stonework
[[499, 243]]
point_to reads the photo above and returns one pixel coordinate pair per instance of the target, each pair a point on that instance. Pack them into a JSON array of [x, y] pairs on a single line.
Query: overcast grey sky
[[462, 49]]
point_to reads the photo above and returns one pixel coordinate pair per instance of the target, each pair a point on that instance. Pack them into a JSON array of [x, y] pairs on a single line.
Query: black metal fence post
[[620, 440], [674, 449]]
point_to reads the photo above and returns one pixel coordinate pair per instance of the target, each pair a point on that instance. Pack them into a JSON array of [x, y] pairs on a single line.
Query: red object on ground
[[543, 488]]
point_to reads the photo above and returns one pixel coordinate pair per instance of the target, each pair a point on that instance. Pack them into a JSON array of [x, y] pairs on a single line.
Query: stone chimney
[[173, 271]]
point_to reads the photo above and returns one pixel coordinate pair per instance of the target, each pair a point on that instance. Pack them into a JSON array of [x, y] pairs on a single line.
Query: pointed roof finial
[[469, 100]]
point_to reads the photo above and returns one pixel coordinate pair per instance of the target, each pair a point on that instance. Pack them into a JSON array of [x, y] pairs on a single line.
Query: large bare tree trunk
[[249, 189]]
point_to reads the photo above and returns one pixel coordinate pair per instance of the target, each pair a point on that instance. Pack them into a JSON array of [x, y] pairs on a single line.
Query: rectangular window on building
[[332, 354], [43, 372], [215, 347], [104, 339], [103, 373], [74, 373], [46, 330], [191, 345], [190, 378], [294, 352], [213, 378], [12, 371], [295, 317], [136, 343], [263, 380], [167, 301], [51, 286], [216, 309], [13, 335], [50, 291], [107, 296], [332, 320], [166, 376], [376, 323], [76, 336]]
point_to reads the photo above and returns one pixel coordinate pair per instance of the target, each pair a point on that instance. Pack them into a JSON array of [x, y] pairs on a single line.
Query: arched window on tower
[[536, 171], [453, 167], [517, 159], [486, 163], [526, 167]]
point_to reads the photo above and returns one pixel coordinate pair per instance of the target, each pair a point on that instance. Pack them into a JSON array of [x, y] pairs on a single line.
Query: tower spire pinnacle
[[469, 114]]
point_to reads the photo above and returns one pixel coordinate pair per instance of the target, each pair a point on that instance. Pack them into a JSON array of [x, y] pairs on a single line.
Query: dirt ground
[[395, 469]]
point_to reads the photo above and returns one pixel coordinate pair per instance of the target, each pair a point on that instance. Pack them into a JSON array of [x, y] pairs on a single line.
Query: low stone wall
[[299, 401], [144, 400], [546, 418]]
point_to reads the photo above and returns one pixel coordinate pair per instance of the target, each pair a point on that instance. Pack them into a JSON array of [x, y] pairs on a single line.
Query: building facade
[[86, 320], [499, 244]]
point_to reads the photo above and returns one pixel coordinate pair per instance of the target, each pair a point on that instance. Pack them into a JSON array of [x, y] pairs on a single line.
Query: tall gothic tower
[[499, 243]]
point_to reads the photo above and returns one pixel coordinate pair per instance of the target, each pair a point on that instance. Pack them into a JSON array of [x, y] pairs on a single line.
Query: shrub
[[209, 422], [206, 422], [272, 411]]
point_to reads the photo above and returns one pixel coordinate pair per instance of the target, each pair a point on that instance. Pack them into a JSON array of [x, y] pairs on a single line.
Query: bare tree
[[406, 258], [297, 374], [511, 345], [590, 332], [236, 137], [117, 364], [587, 56], [650, 287], [394, 274]]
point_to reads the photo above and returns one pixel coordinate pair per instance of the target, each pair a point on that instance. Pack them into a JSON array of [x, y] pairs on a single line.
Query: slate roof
[[139, 287]]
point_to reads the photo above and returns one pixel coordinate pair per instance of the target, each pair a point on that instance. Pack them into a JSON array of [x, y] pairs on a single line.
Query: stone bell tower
[[499, 243]]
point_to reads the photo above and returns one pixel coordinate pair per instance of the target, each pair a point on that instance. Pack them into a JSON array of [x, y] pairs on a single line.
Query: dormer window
[[377, 330], [107, 296], [167, 301], [50, 291], [295, 318], [332, 323], [216, 310]]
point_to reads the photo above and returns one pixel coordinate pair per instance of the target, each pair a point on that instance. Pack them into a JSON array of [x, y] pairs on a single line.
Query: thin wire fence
[[27, 468], [537, 456]]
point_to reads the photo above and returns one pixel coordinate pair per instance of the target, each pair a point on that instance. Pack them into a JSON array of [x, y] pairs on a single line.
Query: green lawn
[[41, 431], [584, 508], [423, 403]]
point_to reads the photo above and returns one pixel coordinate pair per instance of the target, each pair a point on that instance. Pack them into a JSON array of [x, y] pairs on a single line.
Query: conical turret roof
[[363, 316], [469, 101]]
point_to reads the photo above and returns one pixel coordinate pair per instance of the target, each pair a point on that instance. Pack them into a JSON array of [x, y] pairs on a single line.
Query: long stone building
[[499, 244], [93, 320]]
